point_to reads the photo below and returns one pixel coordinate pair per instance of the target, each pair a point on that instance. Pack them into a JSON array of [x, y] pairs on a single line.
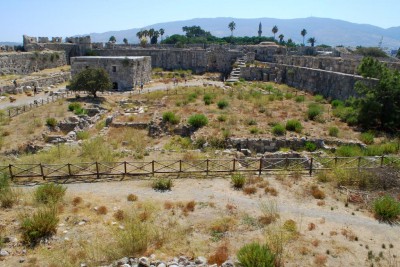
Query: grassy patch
[[49, 193], [386, 208]]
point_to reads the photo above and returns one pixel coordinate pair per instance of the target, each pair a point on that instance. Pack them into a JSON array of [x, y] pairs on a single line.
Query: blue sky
[[70, 17]]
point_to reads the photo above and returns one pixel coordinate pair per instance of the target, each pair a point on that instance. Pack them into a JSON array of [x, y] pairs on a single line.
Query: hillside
[[326, 31]]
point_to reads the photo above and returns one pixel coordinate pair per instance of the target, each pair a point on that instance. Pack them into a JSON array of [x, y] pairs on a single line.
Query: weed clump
[[132, 197], [278, 130], [238, 180], [41, 224], [317, 193], [198, 120], [386, 208], [162, 184], [256, 255], [333, 131], [294, 126], [222, 104], [170, 117], [49, 193], [51, 122], [313, 111]]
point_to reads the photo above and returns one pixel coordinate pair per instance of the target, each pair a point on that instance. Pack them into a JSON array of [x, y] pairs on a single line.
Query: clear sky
[[70, 17]]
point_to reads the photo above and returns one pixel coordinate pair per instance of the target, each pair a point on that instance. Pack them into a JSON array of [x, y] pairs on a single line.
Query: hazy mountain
[[10, 43], [326, 31]]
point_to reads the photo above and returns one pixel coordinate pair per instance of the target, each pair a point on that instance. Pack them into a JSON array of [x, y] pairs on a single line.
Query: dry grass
[[320, 259], [311, 226], [271, 190], [168, 205], [220, 255], [189, 207], [317, 193], [249, 190], [76, 201], [119, 215], [132, 197], [102, 210], [315, 242]]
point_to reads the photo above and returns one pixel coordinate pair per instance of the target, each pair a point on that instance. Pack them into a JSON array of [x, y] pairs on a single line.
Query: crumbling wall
[[26, 63]]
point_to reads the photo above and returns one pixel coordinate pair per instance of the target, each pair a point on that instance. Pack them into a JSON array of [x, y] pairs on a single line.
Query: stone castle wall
[[197, 60], [26, 63]]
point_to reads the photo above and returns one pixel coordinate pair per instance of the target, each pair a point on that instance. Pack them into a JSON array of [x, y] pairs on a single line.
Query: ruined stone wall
[[123, 71], [330, 84], [198, 60], [257, 74], [335, 64], [53, 79], [29, 62]]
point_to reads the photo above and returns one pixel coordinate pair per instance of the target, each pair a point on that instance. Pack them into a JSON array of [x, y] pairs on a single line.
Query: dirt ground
[[327, 232]]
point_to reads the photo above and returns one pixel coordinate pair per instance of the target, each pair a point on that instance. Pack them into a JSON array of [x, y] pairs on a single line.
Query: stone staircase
[[235, 74]]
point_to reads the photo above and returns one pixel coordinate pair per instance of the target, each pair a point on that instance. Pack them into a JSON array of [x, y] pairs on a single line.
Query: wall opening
[[115, 86]]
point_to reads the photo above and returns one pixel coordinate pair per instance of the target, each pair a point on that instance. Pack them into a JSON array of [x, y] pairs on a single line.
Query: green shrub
[[42, 223], [73, 106], [208, 98], [170, 117], [299, 98], [222, 104], [349, 151], [367, 138], [313, 111], [52, 122], [192, 97], [256, 255], [221, 118], [386, 208], [337, 103], [288, 95], [80, 111], [333, 131], [162, 184], [318, 98], [310, 146], [8, 196], [382, 149], [278, 129], [198, 120], [49, 193], [294, 126], [82, 135], [254, 130], [238, 180]]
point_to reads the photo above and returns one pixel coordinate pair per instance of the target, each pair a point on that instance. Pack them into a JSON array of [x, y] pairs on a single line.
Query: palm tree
[[312, 41], [161, 31], [145, 33], [139, 34], [154, 38], [112, 39], [274, 30], [232, 27], [125, 41], [151, 33], [303, 33], [281, 38]]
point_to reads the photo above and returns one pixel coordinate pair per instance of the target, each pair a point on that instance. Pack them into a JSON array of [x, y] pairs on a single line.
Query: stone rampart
[[26, 63], [56, 78]]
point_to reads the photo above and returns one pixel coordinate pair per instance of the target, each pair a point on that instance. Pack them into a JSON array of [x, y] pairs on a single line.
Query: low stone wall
[[39, 82], [274, 144], [29, 62]]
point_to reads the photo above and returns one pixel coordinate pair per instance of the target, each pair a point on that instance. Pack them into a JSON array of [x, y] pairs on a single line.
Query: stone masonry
[[124, 72]]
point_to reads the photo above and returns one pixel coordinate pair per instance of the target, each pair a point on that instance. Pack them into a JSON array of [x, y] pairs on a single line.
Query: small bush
[[278, 130], [8, 197], [290, 226], [43, 223], [238, 180], [337, 103], [333, 131], [162, 184], [73, 106], [222, 104], [310, 146], [208, 98], [102, 210], [82, 135], [254, 130], [51, 122], [317, 193], [132, 197], [250, 190], [198, 120], [367, 138], [220, 255], [119, 215], [294, 126], [221, 118], [386, 208], [348, 151], [170, 117], [313, 111], [299, 98], [256, 255], [318, 98], [76, 201], [49, 193]]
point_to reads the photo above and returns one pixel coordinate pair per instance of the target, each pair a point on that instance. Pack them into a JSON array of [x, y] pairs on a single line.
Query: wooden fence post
[[260, 167], [382, 159], [359, 164], [11, 173], [125, 172], [311, 165], [97, 170], [180, 165], [69, 169], [207, 166], [41, 171], [152, 167], [234, 165]]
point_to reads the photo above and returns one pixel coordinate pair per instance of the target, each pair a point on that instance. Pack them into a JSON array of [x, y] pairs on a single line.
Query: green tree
[[125, 41], [398, 53], [281, 36], [312, 41], [92, 79], [161, 31], [370, 51], [112, 39], [195, 31], [303, 33], [139, 34], [151, 33], [232, 27], [154, 38], [379, 104], [274, 30]]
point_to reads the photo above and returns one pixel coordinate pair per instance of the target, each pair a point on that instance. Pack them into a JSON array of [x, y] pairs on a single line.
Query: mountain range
[[326, 31]]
